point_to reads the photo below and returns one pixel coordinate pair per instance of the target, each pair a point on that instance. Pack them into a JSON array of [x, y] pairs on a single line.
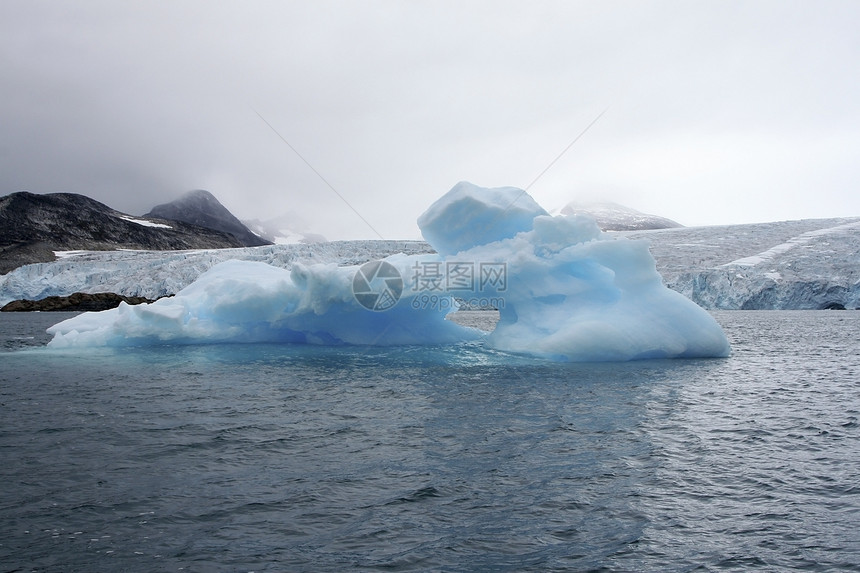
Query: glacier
[[808, 264], [565, 291]]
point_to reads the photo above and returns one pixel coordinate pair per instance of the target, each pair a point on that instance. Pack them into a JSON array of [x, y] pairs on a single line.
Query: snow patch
[[145, 223], [67, 254], [798, 241]]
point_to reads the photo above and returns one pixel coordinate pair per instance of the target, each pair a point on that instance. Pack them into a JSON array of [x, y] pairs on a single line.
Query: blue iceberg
[[564, 290]]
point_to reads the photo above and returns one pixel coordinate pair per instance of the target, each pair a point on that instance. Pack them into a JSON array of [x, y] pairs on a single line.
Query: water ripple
[[265, 458]]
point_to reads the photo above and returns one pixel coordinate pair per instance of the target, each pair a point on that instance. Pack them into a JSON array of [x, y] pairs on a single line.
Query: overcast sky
[[715, 112]]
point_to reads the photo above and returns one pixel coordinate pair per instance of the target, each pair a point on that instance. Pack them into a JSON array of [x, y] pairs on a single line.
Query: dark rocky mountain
[[614, 217], [201, 208], [33, 226]]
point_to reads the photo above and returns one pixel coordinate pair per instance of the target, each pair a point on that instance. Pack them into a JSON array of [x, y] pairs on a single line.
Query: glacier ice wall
[[789, 265], [820, 270], [564, 289]]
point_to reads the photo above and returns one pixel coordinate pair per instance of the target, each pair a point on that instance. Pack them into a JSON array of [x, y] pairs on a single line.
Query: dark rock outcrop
[[76, 302], [201, 208], [33, 226], [23, 253]]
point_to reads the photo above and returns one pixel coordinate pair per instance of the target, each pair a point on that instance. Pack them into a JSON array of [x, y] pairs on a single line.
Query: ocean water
[[286, 458]]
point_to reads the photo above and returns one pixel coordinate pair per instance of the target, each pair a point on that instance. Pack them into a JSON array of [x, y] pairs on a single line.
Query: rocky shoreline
[[78, 301]]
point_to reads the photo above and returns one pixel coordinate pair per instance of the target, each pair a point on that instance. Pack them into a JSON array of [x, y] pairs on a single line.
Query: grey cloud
[[395, 102]]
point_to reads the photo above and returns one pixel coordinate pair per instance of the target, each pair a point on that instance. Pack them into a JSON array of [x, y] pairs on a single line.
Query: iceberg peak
[[468, 216]]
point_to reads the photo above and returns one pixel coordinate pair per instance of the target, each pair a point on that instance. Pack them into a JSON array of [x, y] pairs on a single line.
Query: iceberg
[[577, 295], [247, 301], [565, 291]]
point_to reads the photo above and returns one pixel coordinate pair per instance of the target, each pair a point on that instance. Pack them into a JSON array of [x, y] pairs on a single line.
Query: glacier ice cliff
[[565, 291], [789, 265], [810, 264]]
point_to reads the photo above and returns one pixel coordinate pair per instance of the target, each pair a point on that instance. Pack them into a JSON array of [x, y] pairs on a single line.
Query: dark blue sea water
[[285, 458]]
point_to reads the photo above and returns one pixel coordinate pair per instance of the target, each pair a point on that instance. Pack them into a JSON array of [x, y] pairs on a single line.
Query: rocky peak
[[201, 208]]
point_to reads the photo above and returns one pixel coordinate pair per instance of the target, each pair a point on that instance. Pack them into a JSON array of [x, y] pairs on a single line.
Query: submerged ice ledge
[[565, 291]]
